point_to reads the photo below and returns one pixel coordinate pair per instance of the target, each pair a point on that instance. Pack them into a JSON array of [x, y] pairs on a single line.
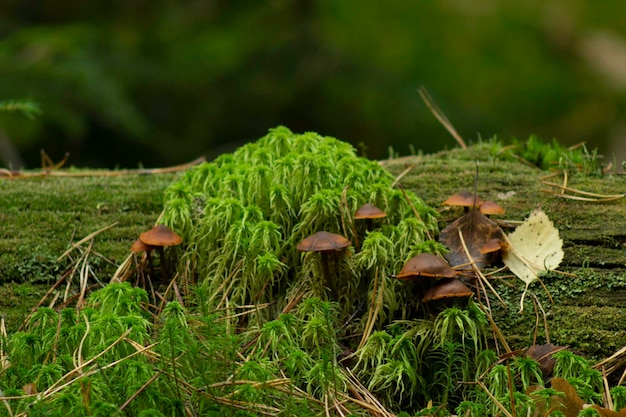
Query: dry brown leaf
[[571, 404], [477, 230]]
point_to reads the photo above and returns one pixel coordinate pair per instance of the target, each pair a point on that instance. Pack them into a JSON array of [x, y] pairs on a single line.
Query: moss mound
[[243, 215]]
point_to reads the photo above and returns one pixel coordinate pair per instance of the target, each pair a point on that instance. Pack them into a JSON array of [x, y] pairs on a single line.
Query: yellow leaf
[[533, 249]]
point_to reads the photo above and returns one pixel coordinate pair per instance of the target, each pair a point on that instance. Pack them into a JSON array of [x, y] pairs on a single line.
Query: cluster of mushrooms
[[447, 285], [326, 243], [425, 265]]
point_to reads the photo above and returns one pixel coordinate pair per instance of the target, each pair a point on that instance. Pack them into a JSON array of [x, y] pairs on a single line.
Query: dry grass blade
[[580, 195], [8, 407], [537, 305], [608, 400], [367, 400], [85, 239], [402, 174], [139, 391], [495, 400], [69, 378], [123, 270], [84, 277], [613, 362], [377, 301], [430, 103], [479, 274], [496, 330], [4, 357]]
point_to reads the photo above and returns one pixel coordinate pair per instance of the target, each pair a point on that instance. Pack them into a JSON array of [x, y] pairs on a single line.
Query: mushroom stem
[[163, 264], [326, 270], [150, 264]]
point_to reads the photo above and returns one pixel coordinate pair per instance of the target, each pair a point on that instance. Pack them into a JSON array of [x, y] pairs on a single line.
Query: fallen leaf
[[533, 249], [477, 230]]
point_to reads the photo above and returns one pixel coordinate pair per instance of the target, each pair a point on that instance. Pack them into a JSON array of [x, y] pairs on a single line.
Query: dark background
[[159, 82]]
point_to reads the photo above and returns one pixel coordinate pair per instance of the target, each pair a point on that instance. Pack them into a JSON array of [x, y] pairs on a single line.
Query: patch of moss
[[41, 217], [17, 300]]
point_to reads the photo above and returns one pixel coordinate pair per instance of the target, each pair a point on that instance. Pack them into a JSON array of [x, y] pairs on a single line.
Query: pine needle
[[430, 103]]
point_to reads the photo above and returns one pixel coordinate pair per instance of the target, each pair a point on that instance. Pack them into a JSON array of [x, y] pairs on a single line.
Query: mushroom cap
[[139, 246], [490, 207], [448, 288], [369, 211], [323, 242], [464, 199], [426, 265], [492, 245], [160, 235]]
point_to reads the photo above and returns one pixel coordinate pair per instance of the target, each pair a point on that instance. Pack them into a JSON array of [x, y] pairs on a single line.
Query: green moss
[[258, 203], [41, 217], [17, 300]]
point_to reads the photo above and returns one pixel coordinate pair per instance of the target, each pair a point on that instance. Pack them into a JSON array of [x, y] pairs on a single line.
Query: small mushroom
[[159, 237], [325, 243], [463, 199], [369, 212], [138, 246], [492, 245], [426, 265], [490, 207], [30, 388], [449, 288]]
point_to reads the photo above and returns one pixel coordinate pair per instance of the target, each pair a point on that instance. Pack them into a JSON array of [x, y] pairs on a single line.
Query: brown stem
[[163, 264]]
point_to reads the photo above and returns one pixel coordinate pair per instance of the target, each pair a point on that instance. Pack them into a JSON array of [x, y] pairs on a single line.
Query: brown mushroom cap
[[426, 265], [490, 207], [323, 242], [492, 245], [449, 288], [139, 246], [369, 211], [160, 235], [464, 199]]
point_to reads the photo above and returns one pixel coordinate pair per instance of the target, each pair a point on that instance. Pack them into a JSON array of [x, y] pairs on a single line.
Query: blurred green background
[[160, 82]]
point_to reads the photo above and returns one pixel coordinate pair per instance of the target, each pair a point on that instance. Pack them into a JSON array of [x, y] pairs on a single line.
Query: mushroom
[[492, 245], [138, 246], [369, 212], [448, 288], [490, 207], [159, 237], [325, 243], [426, 265], [463, 199]]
